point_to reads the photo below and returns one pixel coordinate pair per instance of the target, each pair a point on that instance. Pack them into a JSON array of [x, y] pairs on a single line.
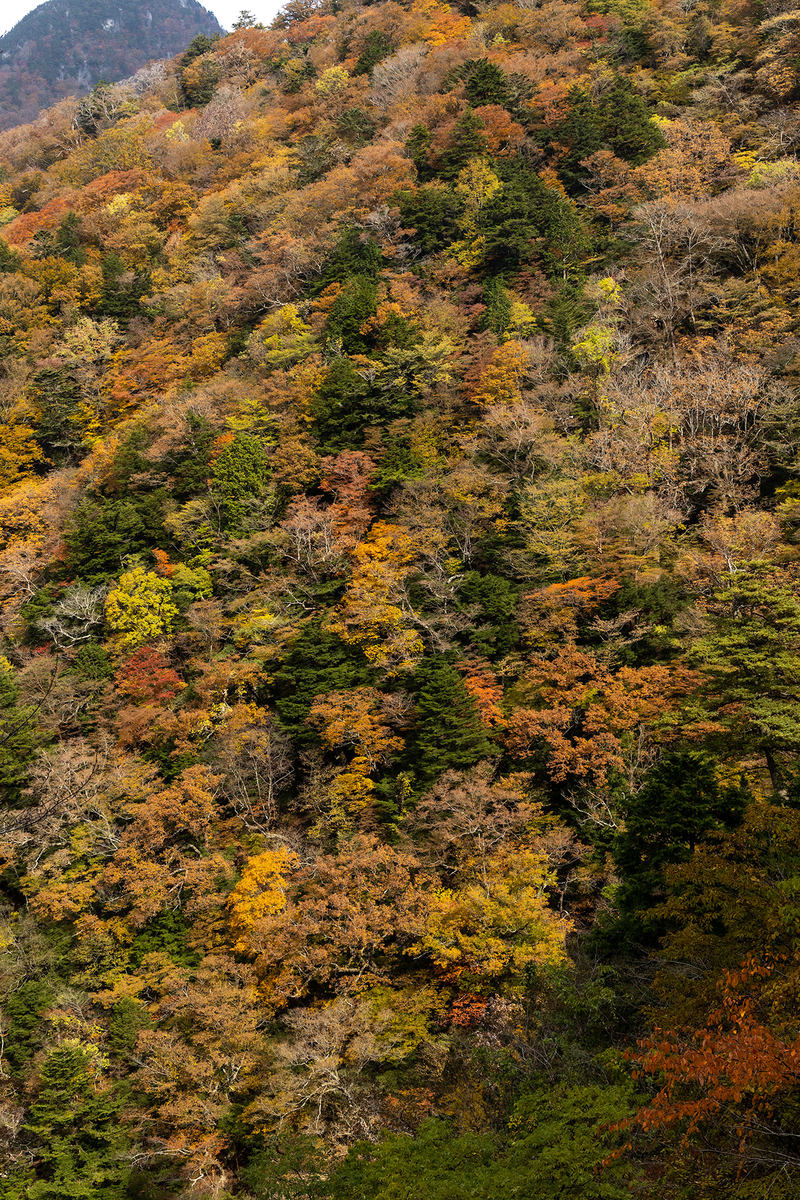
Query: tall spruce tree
[[468, 141], [20, 738], [497, 314], [627, 123], [582, 131], [449, 735], [75, 1131], [681, 799], [487, 84], [751, 662]]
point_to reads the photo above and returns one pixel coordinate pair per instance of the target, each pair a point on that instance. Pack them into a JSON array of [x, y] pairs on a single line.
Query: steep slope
[[400, 612], [65, 47]]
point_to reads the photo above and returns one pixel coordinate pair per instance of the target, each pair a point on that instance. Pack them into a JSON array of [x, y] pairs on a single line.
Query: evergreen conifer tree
[[239, 474], [10, 260], [751, 661], [22, 1012], [525, 219], [376, 47], [122, 289], [628, 129], [487, 84], [680, 800], [340, 407], [20, 738], [350, 256], [498, 307], [468, 141], [75, 1130], [582, 131], [354, 305], [433, 213], [317, 662], [418, 143], [449, 735]]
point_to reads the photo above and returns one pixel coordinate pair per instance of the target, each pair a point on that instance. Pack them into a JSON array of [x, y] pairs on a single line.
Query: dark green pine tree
[[121, 290], [627, 126], [680, 801], [497, 314], [432, 212], [526, 219], [57, 395], [487, 84], [492, 602], [189, 463], [448, 735], [377, 47], [354, 305], [341, 408], [10, 261], [128, 1018], [318, 662], [417, 147], [20, 738], [75, 1131], [566, 243], [582, 131], [350, 256], [101, 534], [563, 315], [22, 1013], [67, 240], [511, 221], [468, 141]]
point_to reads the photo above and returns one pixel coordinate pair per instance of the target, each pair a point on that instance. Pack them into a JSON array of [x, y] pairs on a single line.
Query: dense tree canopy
[[400, 612]]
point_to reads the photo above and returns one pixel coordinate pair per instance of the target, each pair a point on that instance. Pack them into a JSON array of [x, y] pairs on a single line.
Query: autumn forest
[[400, 611]]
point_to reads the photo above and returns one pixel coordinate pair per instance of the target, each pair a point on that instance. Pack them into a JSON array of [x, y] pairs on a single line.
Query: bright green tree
[[557, 1146], [751, 661], [239, 475], [75, 1129]]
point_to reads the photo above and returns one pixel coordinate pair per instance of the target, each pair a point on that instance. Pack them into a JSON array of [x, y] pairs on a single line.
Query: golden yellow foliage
[[140, 608], [486, 933], [261, 892], [370, 615]]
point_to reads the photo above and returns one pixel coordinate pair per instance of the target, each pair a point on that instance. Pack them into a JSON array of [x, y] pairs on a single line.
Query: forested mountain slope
[[66, 47], [400, 690]]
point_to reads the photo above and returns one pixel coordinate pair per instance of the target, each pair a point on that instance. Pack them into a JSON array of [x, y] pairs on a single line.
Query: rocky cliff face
[[64, 47]]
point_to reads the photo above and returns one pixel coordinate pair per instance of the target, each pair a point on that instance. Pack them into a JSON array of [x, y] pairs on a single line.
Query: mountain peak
[[65, 47]]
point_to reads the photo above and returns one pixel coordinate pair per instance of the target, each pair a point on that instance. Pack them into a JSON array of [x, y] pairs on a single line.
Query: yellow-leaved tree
[[476, 185], [371, 614], [261, 892], [140, 609], [484, 934]]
